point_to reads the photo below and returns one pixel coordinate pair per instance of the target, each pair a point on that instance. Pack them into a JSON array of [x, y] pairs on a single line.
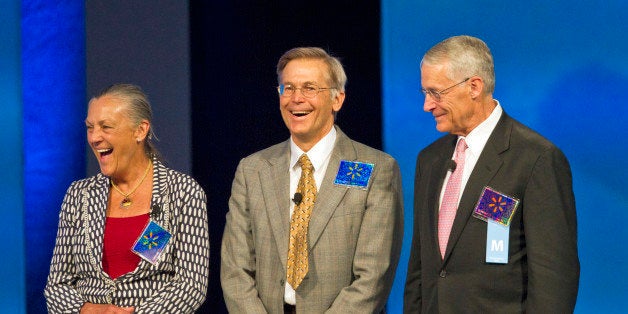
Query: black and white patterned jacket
[[178, 281]]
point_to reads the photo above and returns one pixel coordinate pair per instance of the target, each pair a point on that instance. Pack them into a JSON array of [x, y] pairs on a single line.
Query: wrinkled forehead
[[434, 74], [305, 70], [107, 107]]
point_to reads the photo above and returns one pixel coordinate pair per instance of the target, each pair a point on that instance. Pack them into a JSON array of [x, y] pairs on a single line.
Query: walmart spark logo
[[354, 171], [150, 240], [497, 204], [354, 174]]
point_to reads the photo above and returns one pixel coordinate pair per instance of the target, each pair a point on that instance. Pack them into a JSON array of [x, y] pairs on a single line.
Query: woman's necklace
[[126, 201]]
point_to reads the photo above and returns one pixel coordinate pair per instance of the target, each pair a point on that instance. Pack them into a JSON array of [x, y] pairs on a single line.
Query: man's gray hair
[[466, 56]]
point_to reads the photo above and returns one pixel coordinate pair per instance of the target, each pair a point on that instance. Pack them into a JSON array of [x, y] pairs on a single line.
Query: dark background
[[235, 46]]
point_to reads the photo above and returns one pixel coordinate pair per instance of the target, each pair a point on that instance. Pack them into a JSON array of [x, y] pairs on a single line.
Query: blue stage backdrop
[[12, 299], [561, 68], [54, 106]]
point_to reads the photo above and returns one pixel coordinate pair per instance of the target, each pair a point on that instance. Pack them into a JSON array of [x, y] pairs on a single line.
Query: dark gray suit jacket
[[542, 272], [354, 235]]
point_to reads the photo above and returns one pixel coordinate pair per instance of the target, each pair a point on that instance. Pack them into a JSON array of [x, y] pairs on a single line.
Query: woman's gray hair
[[336, 77], [138, 109], [466, 56]]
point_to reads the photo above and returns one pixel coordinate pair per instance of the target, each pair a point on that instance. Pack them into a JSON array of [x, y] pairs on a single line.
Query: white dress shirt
[[319, 155], [476, 140]]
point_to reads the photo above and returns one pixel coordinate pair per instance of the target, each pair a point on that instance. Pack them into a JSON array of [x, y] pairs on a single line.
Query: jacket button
[[281, 282], [443, 273]]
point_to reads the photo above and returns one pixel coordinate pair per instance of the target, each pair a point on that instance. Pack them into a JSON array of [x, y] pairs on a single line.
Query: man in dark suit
[[314, 222], [494, 210]]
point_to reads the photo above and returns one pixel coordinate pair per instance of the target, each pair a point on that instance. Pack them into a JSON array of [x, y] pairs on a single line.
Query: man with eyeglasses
[[315, 223], [494, 210]]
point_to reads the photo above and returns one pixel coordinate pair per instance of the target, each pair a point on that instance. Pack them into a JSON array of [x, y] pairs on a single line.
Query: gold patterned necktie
[[297, 251]]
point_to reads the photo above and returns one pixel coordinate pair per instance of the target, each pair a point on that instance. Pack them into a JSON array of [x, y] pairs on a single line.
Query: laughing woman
[[133, 238]]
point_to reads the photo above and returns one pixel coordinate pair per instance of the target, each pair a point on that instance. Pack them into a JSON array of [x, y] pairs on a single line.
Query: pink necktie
[[449, 205]]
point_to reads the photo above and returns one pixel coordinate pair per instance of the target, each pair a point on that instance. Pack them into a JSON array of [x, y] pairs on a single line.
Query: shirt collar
[[317, 154], [477, 138]]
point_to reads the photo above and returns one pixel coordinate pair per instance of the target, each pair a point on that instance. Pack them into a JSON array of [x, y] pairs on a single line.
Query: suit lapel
[[275, 179], [330, 195], [488, 164], [94, 215], [160, 197]]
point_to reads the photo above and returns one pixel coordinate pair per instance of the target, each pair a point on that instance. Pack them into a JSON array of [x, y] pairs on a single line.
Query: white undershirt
[[476, 140], [319, 155]]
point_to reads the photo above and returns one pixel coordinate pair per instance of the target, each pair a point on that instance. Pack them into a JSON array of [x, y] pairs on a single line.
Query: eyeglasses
[[308, 91], [438, 94]]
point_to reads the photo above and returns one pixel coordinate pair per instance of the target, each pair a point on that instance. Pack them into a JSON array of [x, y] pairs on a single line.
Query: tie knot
[[305, 163], [462, 146]]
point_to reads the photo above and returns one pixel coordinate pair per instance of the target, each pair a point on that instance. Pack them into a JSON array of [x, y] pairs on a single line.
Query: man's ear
[[477, 86], [338, 100]]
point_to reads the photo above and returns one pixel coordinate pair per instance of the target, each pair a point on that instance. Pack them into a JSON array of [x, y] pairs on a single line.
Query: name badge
[[152, 242], [497, 210], [495, 206], [497, 236], [354, 174]]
